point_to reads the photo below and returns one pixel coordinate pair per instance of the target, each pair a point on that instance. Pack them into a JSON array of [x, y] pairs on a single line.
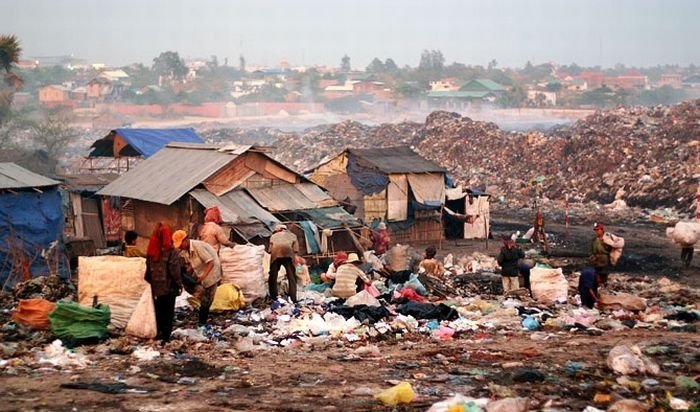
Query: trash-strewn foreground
[[472, 350]]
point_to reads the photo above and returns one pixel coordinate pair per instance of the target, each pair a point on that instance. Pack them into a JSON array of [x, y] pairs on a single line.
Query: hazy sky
[[588, 32]]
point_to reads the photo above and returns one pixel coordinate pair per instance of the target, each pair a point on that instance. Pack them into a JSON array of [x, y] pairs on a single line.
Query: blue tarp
[[33, 221], [366, 177], [142, 142], [149, 141]]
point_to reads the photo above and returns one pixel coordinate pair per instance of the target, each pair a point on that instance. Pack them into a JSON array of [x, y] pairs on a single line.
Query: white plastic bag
[[143, 321]]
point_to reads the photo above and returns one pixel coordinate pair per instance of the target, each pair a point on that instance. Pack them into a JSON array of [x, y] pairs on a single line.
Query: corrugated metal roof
[[236, 207], [400, 159], [316, 194], [86, 181], [168, 175], [13, 176], [286, 197], [331, 217]]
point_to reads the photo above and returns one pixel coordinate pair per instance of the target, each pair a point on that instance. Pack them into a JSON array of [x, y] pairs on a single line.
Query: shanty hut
[[123, 148], [253, 192], [393, 184], [31, 225], [88, 215]]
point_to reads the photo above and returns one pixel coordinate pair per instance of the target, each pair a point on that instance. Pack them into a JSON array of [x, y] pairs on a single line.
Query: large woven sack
[[242, 265], [621, 301], [685, 233], [397, 258], [548, 285], [74, 321], [34, 313], [143, 321], [117, 281]]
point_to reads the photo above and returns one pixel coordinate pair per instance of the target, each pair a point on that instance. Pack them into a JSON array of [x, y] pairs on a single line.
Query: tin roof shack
[[31, 226], [87, 215], [176, 184], [123, 148], [392, 184]]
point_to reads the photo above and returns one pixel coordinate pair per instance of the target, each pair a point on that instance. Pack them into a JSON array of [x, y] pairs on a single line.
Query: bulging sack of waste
[[227, 297], [548, 285], [684, 233], [621, 301], [242, 265], [72, 320], [34, 313], [143, 321], [397, 395], [629, 360]]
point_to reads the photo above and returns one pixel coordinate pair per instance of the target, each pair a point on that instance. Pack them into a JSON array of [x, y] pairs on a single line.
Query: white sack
[[548, 285], [242, 265], [143, 321], [116, 280], [685, 233]]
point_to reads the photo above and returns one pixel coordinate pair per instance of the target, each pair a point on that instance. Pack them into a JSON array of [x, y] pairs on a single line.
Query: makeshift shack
[[253, 192], [392, 184], [31, 225], [87, 215], [121, 149], [467, 214]]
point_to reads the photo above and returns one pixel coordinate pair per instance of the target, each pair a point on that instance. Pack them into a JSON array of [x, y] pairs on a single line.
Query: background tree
[[9, 56], [241, 63], [53, 135], [345, 64], [376, 66], [492, 64], [390, 66], [169, 65]]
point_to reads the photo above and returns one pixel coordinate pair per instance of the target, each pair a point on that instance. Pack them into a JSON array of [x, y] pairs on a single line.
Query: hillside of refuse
[[644, 156]]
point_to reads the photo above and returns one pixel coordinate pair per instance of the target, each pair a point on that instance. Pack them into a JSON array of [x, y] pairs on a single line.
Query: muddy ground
[[564, 371]]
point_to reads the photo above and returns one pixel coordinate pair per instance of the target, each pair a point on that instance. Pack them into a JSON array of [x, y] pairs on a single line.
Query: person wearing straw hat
[[346, 277]]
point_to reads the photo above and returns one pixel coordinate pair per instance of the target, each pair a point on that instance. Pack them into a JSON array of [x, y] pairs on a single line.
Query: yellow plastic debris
[[397, 395], [227, 297]]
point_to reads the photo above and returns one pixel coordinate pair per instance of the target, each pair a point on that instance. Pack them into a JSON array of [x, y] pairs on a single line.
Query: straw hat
[[352, 258]]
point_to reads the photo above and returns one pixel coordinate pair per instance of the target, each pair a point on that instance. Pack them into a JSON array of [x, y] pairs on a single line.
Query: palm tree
[[9, 56]]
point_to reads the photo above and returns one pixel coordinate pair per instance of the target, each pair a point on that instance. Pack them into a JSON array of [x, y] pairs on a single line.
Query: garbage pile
[[405, 309], [256, 136], [643, 156], [308, 149], [628, 157]]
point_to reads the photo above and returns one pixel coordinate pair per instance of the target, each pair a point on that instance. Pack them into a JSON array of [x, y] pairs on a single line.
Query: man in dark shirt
[[588, 284], [508, 261]]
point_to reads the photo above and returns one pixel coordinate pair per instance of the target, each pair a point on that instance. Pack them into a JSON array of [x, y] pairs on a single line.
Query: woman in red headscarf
[[211, 231], [340, 258], [163, 270]]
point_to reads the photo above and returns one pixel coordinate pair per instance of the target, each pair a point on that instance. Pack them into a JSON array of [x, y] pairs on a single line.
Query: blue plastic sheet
[[31, 221]]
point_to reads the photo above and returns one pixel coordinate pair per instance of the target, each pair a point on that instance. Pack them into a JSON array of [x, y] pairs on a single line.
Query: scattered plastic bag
[[143, 321], [460, 403], [57, 355], [629, 360], [145, 354], [362, 298], [397, 395], [509, 405], [416, 285], [444, 333], [531, 323], [191, 334], [34, 313]]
